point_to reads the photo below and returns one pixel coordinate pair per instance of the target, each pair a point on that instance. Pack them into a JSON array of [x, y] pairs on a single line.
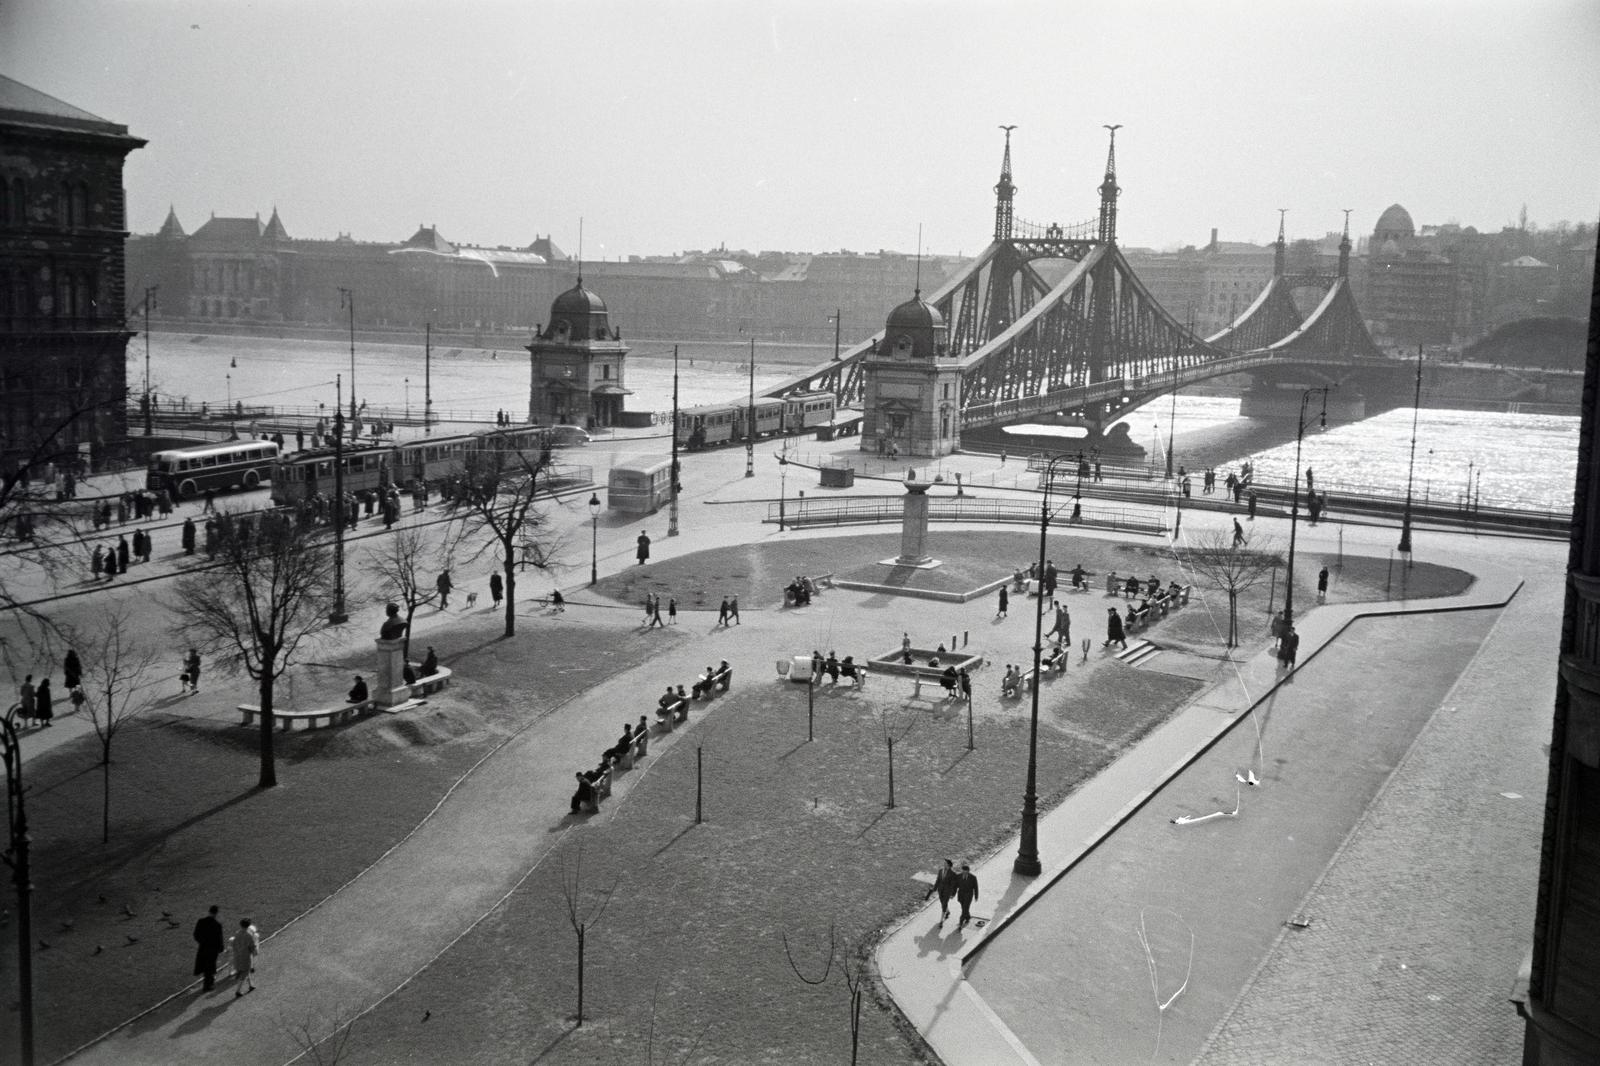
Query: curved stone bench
[[286, 719]]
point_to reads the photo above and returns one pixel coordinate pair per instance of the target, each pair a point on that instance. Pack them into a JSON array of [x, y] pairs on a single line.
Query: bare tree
[[120, 679], [895, 722], [325, 1041], [268, 592], [582, 917], [852, 972], [499, 489], [1232, 568], [397, 559]]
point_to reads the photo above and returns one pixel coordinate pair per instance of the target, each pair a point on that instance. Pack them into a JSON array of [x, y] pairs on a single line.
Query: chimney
[[1213, 238]]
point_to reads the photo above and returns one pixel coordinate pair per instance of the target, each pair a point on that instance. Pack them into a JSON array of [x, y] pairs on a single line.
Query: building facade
[[578, 361], [63, 304], [911, 386]]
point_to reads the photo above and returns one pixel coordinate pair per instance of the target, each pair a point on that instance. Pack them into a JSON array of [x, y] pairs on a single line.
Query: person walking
[[122, 553], [944, 885], [191, 671], [1238, 533], [43, 704], [966, 893], [444, 585], [722, 614], [1114, 634], [1289, 647], [72, 667], [246, 945], [29, 709], [672, 611], [1252, 504], [497, 588], [1322, 585], [209, 944], [733, 609], [905, 648], [655, 613], [643, 551], [1004, 601], [188, 536]]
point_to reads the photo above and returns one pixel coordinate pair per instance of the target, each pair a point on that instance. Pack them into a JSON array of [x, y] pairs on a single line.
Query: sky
[[819, 125]]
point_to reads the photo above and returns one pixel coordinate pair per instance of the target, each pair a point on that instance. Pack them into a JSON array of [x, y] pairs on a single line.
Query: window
[[19, 201], [80, 205]]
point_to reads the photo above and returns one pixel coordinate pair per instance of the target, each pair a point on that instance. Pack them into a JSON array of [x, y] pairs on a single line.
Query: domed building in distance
[[577, 365], [911, 402]]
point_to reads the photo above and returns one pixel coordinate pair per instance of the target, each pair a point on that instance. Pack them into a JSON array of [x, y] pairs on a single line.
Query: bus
[[640, 486], [188, 472]]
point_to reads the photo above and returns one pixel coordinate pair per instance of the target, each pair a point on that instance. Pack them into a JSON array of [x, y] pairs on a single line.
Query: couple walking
[[245, 945], [963, 886]]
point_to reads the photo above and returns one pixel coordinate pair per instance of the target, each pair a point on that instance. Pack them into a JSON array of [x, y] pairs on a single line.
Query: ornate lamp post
[[16, 856], [1027, 862], [338, 614], [1411, 467], [750, 427], [1294, 504], [594, 538], [672, 511], [837, 319], [783, 482], [347, 298]]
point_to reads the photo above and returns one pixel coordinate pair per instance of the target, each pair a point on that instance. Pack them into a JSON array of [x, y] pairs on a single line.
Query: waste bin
[[838, 477]]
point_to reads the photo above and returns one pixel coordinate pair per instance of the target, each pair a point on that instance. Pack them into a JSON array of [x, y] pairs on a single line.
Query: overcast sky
[[816, 125]]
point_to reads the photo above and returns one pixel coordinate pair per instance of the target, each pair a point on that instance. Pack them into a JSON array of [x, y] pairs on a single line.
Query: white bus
[[188, 472], [640, 486]]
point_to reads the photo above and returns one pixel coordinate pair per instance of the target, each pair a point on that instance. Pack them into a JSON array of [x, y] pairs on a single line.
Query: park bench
[[721, 680], [635, 751], [1055, 661], [1137, 618], [669, 715], [344, 712], [432, 683]]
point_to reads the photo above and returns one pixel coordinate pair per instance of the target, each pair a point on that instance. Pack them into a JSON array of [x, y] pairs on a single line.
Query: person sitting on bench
[[683, 703], [1078, 581], [358, 691], [1130, 588], [832, 666], [430, 664], [624, 742], [725, 672], [1153, 586], [1008, 683], [702, 686], [1174, 591], [664, 704], [642, 729], [408, 675], [948, 682], [848, 669], [583, 796], [557, 602]]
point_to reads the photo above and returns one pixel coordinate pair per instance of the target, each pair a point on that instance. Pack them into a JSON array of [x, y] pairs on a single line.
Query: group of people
[[592, 784], [36, 704], [113, 559], [799, 591], [963, 887], [834, 668], [245, 948], [729, 613], [136, 505], [652, 610]]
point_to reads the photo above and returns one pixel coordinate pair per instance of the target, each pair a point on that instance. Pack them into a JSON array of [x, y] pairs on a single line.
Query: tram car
[[429, 460], [724, 423]]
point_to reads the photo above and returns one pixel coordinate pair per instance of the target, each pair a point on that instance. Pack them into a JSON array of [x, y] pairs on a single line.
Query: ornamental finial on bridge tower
[[1003, 194], [1281, 249], [1109, 191], [1344, 247]]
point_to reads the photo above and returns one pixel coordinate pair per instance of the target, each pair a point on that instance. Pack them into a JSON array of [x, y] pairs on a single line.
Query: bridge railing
[[868, 510]]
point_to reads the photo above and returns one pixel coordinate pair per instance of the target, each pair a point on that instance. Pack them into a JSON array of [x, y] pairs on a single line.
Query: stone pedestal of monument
[[914, 527], [389, 688]]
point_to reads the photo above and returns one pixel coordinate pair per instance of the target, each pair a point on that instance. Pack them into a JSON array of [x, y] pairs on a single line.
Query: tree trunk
[[511, 592], [891, 771], [580, 974], [105, 796], [269, 770], [1233, 618]]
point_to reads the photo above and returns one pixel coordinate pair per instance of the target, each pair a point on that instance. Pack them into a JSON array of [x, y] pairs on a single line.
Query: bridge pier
[[1283, 402]]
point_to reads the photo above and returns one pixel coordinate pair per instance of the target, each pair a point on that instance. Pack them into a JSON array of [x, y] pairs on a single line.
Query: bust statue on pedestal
[[393, 628]]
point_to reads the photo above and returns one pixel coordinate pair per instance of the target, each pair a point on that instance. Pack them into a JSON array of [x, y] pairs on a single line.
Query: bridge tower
[[911, 402], [577, 364], [1280, 250], [1102, 353], [1004, 193]]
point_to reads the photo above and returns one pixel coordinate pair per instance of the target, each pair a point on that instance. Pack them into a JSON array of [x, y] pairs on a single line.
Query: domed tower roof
[[1394, 224], [914, 330], [579, 315]]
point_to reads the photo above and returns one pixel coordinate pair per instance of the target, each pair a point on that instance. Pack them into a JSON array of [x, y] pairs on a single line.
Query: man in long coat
[[966, 892], [188, 536], [1114, 633], [944, 883], [209, 941], [644, 548]]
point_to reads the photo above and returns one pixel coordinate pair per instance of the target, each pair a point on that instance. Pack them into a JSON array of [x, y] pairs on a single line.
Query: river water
[[1504, 460]]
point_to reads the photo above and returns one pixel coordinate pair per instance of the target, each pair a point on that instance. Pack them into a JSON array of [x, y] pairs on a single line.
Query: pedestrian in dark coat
[[672, 611], [1289, 647], [722, 614], [43, 708], [1114, 634], [1004, 602], [72, 669], [444, 585], [944, 883], [733, 610], [210, 943], [122, 554], [188, 536], [966, 893], [497, 588], [644, 548], [246, 948], [1322, 585], [1252, 505]]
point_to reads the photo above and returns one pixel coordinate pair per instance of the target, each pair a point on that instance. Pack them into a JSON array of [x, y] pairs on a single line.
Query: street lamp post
[[408, 401], [338, 614], [1027, 862], [837, 319], [594, 538], [672, 510], [783, 482], [149, 407], [750, 428], [1294, 499], [1411, 467], [16, 856], [347, 298]]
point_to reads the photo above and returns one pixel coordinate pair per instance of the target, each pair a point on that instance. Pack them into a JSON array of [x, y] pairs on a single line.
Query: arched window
[[80, 205], [64, 206], [19, 201]]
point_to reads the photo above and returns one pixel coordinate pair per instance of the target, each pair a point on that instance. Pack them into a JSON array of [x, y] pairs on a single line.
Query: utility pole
[[338, 614], [16, 856], [1411, 467], [837, 319], [149, 406], [672, 512], [347, 298], [427, 379], [750, 431]]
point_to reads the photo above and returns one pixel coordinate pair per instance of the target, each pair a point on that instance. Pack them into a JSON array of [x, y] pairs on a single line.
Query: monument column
[[914, 524]]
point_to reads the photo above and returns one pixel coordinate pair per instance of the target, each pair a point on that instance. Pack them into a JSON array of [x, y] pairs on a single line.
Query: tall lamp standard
[[783, 481], [1027, 863], [672, 510], [837, 320], [1411, 467], [338, 614], [149, 408], [347, 298], [750, 427], [1294, 499], [16, 856], [594, 538]]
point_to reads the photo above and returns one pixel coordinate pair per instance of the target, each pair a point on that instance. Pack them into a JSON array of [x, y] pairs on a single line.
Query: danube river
[[1508, 460]]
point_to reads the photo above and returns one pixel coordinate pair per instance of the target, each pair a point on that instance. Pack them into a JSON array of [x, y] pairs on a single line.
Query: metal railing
[[869, 510]]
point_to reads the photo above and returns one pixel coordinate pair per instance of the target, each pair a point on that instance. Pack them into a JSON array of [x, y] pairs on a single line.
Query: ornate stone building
[[577, 364], [911, 402], [63, 333]]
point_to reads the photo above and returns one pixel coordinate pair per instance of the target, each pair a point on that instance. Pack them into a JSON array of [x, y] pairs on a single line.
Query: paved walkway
[[928, 969]]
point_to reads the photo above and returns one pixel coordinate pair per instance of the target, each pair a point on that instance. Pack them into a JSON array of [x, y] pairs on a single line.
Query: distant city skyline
[[816, 127]]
